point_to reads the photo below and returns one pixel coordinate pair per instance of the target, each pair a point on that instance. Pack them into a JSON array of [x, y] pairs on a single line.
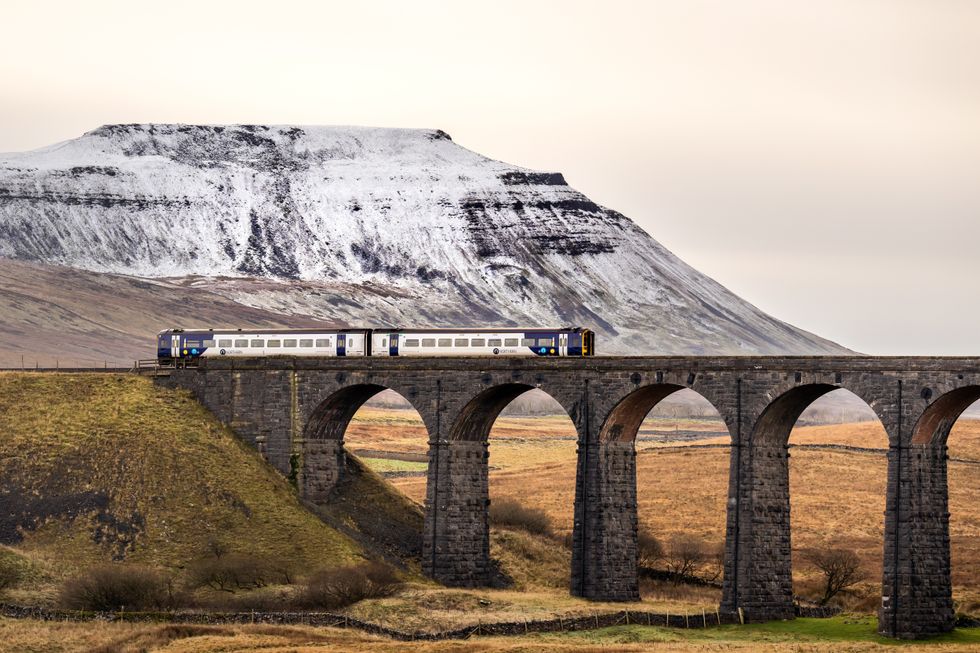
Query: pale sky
[[820, 159]]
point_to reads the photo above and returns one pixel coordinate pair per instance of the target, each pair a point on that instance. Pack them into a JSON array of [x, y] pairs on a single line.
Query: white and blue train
[[190, 344]]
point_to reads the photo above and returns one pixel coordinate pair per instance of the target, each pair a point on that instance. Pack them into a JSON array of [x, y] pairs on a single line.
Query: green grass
[[845, 628], [382, 465]]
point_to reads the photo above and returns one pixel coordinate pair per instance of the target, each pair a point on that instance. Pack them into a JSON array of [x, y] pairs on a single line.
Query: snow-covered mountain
[[367, 226]]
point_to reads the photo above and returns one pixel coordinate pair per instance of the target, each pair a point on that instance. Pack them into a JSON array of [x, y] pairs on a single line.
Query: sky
[[820, 159]]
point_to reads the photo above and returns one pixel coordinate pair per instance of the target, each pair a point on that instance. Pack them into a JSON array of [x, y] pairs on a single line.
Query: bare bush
[[336, 588], [508, 513], [649, 550], [233, 571], [841, 568], [119, 587], [686, 556]]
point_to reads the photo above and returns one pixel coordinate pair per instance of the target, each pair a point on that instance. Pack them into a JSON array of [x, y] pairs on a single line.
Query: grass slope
[[98, 467]]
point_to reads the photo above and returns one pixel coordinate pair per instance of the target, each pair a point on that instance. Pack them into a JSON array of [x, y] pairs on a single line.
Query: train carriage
[[187, 345]]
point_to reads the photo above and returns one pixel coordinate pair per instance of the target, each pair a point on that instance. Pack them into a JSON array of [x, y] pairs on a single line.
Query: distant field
[[837, 496]]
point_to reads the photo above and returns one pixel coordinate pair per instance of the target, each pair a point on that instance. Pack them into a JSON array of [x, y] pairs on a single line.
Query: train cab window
[[445, 342], [411, 342], [511, 342], [428, 342], [306, 343], [322, 342], [495, 342], [274, 343], [257, 343], [241, 343], [224, 343], [209, 343], [546, 342], [461, 342], [479, 342], [288, 343], [527, 342]]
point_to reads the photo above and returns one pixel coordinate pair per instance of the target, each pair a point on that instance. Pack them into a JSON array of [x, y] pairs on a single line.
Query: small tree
[[841, 568], [686, 556]]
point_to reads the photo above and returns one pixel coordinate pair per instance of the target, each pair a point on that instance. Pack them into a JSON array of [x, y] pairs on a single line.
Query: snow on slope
[[367, 226]]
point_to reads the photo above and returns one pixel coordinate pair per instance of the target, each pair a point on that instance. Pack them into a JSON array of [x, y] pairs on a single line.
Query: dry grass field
[[837, 496]]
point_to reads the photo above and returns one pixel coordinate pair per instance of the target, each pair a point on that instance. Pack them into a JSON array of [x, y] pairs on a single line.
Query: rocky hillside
[[366, 226]]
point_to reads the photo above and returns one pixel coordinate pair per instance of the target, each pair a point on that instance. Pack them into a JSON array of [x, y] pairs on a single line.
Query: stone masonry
[[295, 411]]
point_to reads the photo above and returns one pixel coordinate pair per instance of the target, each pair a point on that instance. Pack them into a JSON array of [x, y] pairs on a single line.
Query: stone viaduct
[[296, 411]]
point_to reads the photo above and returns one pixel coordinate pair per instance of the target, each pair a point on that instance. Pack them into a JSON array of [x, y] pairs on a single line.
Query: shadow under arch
[[776, 423], [624, 420], [322, 459], [936, 422], [475, 421], [331, 417]]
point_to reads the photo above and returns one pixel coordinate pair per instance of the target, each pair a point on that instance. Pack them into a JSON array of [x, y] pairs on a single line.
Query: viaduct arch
[[284, 406]]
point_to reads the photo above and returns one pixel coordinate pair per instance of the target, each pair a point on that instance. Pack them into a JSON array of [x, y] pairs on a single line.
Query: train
[[188, 345]]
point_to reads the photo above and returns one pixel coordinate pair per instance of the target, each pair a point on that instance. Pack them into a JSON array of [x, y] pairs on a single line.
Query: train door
[[574, 344], [341, 344], [175, 346], [393, 344], [563, 344]]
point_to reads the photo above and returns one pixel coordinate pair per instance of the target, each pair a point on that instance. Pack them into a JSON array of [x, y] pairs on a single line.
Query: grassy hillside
[[100, 467]]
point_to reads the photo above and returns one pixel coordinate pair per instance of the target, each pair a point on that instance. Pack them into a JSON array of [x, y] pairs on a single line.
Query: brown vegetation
[[841, 569], [510, 513], [119, 587], [330, 589]]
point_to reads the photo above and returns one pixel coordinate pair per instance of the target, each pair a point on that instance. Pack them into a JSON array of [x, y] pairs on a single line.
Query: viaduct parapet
[[295, 411]]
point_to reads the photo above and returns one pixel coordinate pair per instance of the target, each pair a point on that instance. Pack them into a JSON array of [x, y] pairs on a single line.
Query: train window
[[289, 343], [511, 342], [305, 343], [428, 342], [411, 342], [241, 343], [384, 342], [445, 342], [209, 343], [479, 342], [527, 342], [546, 342], [322, 342], [192, 343], [257, 343], [461, 342], [224, 343], [274, 343], [494, 342]]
